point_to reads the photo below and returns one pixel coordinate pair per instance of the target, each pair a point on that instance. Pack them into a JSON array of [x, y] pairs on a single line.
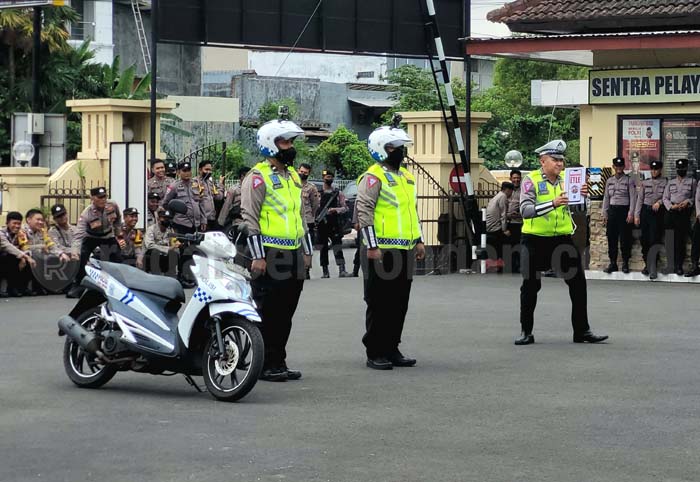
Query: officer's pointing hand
[[258, 266], [374, 253], [561, 200], [420, 251]]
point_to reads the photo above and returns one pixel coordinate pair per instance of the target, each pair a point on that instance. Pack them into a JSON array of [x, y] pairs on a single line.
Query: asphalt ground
[[475, 408]]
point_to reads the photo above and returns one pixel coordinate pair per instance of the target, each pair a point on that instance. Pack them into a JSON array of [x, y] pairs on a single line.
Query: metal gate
[[75, 196]]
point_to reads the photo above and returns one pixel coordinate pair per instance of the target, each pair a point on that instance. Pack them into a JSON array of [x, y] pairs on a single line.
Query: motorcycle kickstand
[[193, 383]]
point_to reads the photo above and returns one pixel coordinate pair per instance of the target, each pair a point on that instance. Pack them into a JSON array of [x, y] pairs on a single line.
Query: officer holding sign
[[547, 243]]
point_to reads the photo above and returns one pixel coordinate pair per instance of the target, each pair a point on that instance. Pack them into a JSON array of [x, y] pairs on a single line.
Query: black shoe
[[291, 374], [277, 374], [653, 275], [14, 293], [39, 292], [355, 273], [398, 360], [589, 337], [343, 274], [679, 272], [307, 275], [326, 274], [612, 267], [525, 339], [75, 292], [625, 267], [187, 284], [645, 271], [549, 274], [380, 363], [693, 273]]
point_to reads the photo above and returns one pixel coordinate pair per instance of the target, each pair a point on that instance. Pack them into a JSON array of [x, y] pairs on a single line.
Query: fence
[[74, 196]]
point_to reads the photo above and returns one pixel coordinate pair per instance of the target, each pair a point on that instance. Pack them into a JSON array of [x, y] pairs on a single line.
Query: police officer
[[186, 190], [388, 219], [162, 248], [159, 183], [547, 243], [154, 200], [618, 215], [497, 219], [272, 210], [678, 201], [211, 193], [329, 224], [695, 250], [96, 229], [170, 169], [62, 233], [515, 220], [649, 213], [312, 202], [231, 210], [43, 249], [130, 239], [15, 260]]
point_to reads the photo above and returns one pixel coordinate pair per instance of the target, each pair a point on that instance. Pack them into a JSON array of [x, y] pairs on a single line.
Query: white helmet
[[273, 130], [386, 136]]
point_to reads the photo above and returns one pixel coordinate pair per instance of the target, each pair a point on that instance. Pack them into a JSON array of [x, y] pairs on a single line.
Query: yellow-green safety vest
[[396, 222], [281, 225], [556, 222]]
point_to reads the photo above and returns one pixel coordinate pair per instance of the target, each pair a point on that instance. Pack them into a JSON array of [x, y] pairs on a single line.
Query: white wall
[[103, 42]]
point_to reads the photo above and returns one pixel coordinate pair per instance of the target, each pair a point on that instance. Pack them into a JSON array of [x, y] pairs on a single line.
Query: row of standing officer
[[659, 204]]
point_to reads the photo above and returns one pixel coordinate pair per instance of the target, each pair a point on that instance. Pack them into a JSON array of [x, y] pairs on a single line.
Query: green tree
[[270, 110], [343, 152]]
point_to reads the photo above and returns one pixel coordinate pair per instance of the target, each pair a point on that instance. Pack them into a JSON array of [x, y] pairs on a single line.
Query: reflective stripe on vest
[[556, 222], [281, 225], [396, 221]]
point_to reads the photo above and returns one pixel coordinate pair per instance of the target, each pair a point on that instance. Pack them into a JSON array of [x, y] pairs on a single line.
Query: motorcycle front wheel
[[231, 378], [83, 368]]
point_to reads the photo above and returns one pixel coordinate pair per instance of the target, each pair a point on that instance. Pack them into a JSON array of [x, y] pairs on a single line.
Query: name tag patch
[[542, 187]]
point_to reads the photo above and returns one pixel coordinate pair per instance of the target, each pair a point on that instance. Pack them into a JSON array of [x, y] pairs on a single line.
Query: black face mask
[[165, 223], [286, 156], [304, 177], [682, 172], [396, 157], [328, 182], [206, 176]]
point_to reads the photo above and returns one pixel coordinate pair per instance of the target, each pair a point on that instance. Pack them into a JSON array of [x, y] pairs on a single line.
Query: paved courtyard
[[476, 408]]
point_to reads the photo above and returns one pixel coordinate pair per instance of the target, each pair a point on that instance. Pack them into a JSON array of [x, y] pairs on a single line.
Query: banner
[[642, 86], [681, 142], [641, 143]]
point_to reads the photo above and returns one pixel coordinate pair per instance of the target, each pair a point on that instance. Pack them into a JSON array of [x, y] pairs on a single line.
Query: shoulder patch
[[257, 181], [371, 181], [527, 185]]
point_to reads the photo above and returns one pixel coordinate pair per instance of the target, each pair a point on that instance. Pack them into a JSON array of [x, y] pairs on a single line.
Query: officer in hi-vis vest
[[547, 243], [272, 209], [388, 221]]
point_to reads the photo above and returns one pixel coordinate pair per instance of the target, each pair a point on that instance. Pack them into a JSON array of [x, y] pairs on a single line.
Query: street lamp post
[[36, 65]]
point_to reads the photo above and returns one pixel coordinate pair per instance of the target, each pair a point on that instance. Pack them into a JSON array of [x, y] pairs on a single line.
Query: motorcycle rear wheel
[[232, 379], [82, 367]]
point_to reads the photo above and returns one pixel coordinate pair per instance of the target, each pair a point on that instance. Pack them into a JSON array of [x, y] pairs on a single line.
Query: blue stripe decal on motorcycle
[[126, 295]]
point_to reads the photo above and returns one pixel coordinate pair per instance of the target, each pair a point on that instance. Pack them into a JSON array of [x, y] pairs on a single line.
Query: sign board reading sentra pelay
[[642, 86]]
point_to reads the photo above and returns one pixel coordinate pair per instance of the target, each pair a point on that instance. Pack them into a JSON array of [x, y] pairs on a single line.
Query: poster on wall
[[641, 144], [681, 142]]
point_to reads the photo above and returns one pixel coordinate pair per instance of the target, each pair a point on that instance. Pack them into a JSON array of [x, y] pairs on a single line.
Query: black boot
[[525, 339], [693, 272], [308, 274], [326, 274], [625, 266], [645, 271], [355, 271], [342, 273], [612, 267]]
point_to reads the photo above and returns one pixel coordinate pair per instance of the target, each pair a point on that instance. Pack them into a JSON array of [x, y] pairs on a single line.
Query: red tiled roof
[[542, 11]]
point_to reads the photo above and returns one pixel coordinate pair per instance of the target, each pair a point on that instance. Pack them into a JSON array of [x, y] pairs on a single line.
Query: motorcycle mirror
[[177, 206]]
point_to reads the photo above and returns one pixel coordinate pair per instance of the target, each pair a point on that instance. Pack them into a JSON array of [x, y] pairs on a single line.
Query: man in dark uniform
[[96, 229], [388, 219], [278, 240], [547, 244], [678, 201], [649, 213], [329, 226], [618, 215]]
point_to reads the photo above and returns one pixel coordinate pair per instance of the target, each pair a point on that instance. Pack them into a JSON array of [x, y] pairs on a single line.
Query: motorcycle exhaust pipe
[[88, 341]]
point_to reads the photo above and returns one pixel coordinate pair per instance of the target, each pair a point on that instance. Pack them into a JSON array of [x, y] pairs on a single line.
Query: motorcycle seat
[[148, 283]]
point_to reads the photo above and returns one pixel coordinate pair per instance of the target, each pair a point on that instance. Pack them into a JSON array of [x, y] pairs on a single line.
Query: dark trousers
[[619, 231], [695, 250], [387, 290], [513, 243], [17, 279], [559, 253], [276, 293], [185, 259], [494, 240], [652, 227], [109, 251], [356, 259], [327, 231], [677, 229], [53, 275], [157, 262]]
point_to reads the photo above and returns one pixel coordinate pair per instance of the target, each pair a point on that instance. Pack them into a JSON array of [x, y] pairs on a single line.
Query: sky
[[482, 27]]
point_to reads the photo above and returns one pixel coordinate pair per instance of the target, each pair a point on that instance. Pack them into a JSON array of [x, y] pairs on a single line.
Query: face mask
[[682, 172], [304, 177], [395, 157], [206, 176], [286, 156], [165, 223], [328, 182]]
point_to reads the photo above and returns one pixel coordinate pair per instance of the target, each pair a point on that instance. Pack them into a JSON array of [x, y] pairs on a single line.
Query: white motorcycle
[[128, 320]]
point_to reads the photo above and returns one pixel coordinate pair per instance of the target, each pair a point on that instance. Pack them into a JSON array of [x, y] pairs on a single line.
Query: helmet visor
[[290, 136], [399, 143]]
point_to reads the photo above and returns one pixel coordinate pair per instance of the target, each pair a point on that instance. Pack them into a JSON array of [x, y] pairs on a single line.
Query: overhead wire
[[299, 37]]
